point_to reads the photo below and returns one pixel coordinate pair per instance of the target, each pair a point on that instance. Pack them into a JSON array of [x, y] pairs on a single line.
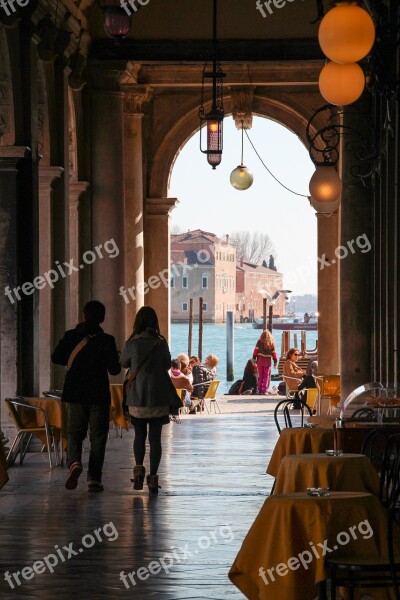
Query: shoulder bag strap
[[78, 348]]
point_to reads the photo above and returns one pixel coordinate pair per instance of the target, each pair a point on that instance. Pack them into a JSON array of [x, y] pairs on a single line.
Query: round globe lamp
[[116, 21], [241, 178], [346, 33], [341, 84], [325, 185], [325, 208]]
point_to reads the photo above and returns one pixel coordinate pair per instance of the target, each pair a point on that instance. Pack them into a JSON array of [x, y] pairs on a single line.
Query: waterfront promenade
[[213, 485]]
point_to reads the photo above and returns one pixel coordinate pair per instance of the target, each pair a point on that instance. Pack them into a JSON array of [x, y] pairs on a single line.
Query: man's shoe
[[95, 486], [152, 482], [75, 470], [138, 477]]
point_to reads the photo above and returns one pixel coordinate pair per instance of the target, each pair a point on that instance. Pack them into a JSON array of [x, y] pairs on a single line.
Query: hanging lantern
[[241, 178], [116, 20], [325, 185], [341, 84], [346, 33], [325, 208]]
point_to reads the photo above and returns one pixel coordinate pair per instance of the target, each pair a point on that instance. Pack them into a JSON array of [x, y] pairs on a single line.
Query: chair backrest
[[312, 397], [390, 473], [329, 385], [282, 413], [364, 414], [212, 390], [12, 409], [291, 382], [374, 446], [180, 391]]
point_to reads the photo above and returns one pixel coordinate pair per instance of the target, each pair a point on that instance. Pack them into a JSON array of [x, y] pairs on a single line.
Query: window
[[184, 306], [185, 282], [204, 306], [204, 281], [172, 282]]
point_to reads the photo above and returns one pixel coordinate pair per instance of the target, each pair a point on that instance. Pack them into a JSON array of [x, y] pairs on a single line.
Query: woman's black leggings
[[139, 444]]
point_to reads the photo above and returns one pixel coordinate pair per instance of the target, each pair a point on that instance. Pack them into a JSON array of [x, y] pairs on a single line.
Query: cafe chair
[[390, 472], [329, 391], [282, 413], [24, 435], [375, 571], [183, 410], [292, 384], [374, 447], [211, 396], [364, 414]]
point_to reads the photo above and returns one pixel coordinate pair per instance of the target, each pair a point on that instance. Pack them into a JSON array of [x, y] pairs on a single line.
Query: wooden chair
[[24, 435], [211, 396], [329, 389], [380, 571], [282, 411]]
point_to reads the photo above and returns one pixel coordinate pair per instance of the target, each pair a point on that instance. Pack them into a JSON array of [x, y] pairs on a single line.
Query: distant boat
[[290, 323]]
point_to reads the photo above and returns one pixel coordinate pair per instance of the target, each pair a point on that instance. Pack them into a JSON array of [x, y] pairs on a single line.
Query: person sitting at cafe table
[[293, 372], [89, 355]]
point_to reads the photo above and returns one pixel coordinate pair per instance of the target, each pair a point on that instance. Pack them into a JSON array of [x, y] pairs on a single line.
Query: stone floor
[[213, 485]]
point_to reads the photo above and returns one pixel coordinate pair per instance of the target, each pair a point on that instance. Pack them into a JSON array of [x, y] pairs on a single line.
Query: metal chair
[[364, 414], [184, 410], [282, 410], [24, 435], [381, 571], [329, 389], [292, 384], [211, 396], [374, 447]]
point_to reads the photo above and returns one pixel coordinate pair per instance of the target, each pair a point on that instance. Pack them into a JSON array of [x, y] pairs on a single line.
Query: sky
[[209, 202]]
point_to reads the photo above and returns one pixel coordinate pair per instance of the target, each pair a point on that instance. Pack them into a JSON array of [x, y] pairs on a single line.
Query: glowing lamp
[[325, 208], [346, 33], [341, 84], [325, 185], [241, 178]]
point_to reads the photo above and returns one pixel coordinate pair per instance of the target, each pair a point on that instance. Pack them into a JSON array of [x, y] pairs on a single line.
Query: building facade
[[251, 281], [202, 266]]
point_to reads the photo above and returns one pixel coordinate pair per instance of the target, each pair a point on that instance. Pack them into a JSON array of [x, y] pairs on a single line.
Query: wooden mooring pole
[[229, 346], [190, 334], [200, 352]]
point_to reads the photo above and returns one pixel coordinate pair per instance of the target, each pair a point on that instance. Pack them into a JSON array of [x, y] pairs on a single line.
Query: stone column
[[133, 197], [328, 295], [76, 189], [107, 191], [157, 257], [10, 156], [356, 268], [47, 177]]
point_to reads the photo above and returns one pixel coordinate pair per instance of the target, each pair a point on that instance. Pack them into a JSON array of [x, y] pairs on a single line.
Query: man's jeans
[[96, 417]]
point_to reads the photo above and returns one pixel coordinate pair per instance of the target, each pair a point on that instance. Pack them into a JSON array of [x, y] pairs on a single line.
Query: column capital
[[76, 189], [47, 177], [242, 106], [11, 155], [160, 207], [135, 99]]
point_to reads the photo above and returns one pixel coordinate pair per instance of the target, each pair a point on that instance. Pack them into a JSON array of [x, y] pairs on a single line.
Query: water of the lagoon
[[214, 342]]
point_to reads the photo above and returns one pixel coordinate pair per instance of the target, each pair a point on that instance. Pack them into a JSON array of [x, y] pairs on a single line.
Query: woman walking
[[264, 353], [149, 395]]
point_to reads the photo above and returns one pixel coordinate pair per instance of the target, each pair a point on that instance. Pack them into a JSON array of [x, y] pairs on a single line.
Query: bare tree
[[254, 247], [176, 229]]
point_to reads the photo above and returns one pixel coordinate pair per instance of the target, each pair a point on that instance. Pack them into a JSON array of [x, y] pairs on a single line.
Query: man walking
[[89, 355]]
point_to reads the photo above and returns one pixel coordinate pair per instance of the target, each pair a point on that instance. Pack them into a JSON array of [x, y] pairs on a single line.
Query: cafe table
[[282, 555], [349, 472], [299, 440]]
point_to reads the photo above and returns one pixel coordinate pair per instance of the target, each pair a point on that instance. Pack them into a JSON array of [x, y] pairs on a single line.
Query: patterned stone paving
[[213, 485]]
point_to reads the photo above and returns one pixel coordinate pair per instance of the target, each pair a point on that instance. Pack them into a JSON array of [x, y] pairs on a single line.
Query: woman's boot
[[152, 482], [138, 477]]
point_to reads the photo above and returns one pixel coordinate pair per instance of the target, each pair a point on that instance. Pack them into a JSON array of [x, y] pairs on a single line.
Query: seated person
[[250, 378], [292, 370], [202, 374], [185, 367], [181, 381]]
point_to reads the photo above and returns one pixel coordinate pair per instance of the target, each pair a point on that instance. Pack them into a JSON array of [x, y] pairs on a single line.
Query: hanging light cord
[[272, 175]]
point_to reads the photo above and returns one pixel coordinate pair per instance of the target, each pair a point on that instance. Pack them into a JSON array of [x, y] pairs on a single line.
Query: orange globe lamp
[[346, 33], [341, 84], [325, 185]]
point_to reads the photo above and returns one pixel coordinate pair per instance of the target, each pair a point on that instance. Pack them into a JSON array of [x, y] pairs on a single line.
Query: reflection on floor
[[213, 485]]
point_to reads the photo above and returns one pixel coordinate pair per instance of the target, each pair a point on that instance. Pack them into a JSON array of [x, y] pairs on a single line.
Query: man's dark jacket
[[201, 374], [86, 382]]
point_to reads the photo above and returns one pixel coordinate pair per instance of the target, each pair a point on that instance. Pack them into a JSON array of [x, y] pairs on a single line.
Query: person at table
[[264, 353], [181, 381], [202, 375], [90, 355], [149, 396], [185, 366], [291, 369]]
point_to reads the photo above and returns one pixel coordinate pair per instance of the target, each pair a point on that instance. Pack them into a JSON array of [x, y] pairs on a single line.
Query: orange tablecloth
[[350, 473], [3, 466], [116, 412], [288, 525], [299, 440]]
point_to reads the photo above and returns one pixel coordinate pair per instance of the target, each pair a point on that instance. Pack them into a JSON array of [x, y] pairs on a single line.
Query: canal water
[[214, 342]]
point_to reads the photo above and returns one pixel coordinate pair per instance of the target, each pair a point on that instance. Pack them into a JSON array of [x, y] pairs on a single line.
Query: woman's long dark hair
[[146, 317]]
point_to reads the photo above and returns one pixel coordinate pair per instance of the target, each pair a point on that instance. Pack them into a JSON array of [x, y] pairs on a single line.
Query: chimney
[[241, 262], [227, 239]]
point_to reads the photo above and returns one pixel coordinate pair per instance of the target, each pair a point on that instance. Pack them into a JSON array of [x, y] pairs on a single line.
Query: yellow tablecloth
[[3, 466], [349, 473], [299, 440], [325, 421], [290, 525]]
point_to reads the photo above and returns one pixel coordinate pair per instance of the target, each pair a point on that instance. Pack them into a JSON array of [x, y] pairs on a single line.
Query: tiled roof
[[198, 236], [249, 267]]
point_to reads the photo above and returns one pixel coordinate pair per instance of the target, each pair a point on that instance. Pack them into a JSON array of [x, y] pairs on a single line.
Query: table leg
[[322, 590]]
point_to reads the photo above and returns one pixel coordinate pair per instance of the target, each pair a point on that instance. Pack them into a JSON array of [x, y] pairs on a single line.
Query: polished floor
[[180, 545]]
